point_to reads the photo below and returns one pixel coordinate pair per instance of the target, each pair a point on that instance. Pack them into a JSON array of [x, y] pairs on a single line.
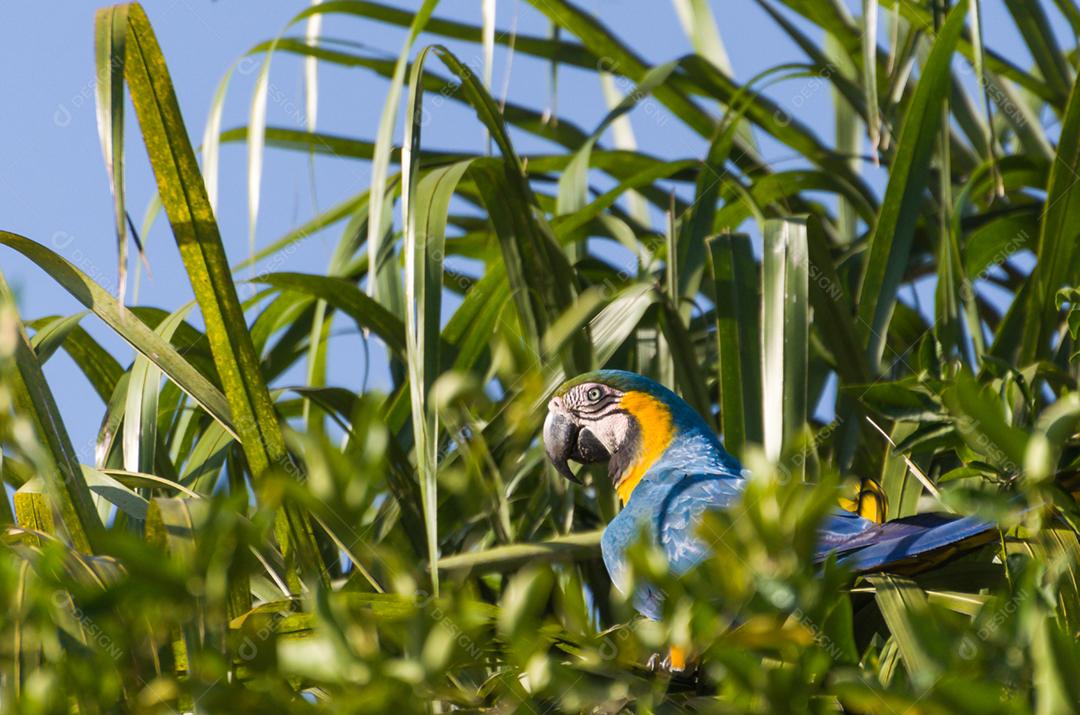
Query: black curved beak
[[560, 438], [564, 440]]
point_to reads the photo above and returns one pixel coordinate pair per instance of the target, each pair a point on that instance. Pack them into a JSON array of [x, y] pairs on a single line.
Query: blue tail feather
[[902, 539]]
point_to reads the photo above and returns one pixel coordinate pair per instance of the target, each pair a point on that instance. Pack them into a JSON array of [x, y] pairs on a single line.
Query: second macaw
[[668, 467]]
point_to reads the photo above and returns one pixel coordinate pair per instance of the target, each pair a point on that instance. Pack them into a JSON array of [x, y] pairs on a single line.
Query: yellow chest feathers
[[654, 422]]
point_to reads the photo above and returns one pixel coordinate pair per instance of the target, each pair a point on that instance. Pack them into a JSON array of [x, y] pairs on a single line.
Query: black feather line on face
[[626, 454], [577, 399], [600, 405]]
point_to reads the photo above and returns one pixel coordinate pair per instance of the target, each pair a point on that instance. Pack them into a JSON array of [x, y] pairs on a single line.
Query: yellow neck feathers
[[654, 421]]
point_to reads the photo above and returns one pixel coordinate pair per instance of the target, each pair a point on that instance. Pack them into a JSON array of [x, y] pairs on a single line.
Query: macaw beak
[[564, 440], [560, 436]]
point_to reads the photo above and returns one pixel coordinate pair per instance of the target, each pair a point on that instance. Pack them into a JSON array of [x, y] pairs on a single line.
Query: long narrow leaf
[[56, 460], [785, 331], [890, 243], [738, 316], [1057, 255], [381, 160], [183, 194]]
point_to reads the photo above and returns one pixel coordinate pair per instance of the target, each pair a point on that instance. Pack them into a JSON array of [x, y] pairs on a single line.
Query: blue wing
[[839, 528], [671, 510], [860, 544], [902, 539], [681, 512]]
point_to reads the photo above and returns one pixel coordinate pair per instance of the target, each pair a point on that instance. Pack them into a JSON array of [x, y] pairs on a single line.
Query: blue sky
[[53, 186]]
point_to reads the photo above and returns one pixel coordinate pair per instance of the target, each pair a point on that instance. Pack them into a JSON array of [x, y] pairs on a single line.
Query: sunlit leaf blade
[[381, 160], [50, 334], [1057, 255], [425, 203], [509, 558], [900, 488], [110, 491], [99, 367], [784, 328], [256, 142], [688, 377], [574, 182], [698, 23], [211, 142], [1055, 662], [870, 78], [56, 461], [346, 297], [890, 242], [311, 72], [110, 36], [623, 138], [982, 421], [141, 409], [609, 330], [183, 195], [902, 602], [425, 208], [320, 327], [532, 258], [735, 274], [1034, 25], [1053, 429]]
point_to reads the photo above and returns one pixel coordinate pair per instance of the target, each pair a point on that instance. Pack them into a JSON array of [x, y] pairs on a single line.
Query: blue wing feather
[[903, 539], [681, 512], [668, 506]]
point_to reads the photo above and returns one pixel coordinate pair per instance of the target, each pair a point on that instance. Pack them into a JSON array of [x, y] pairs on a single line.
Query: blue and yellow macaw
[[668, 467]]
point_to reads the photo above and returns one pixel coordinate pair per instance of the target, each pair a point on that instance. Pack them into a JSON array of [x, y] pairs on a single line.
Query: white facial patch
[[612, 431]]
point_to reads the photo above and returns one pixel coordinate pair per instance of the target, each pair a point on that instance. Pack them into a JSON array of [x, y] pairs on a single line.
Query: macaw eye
[[593, 394]]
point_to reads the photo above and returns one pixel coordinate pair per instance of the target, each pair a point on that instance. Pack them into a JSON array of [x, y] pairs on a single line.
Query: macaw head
[[621, 418]]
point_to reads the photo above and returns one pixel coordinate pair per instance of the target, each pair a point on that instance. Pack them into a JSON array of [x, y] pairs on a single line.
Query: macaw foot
[[675, 661]]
